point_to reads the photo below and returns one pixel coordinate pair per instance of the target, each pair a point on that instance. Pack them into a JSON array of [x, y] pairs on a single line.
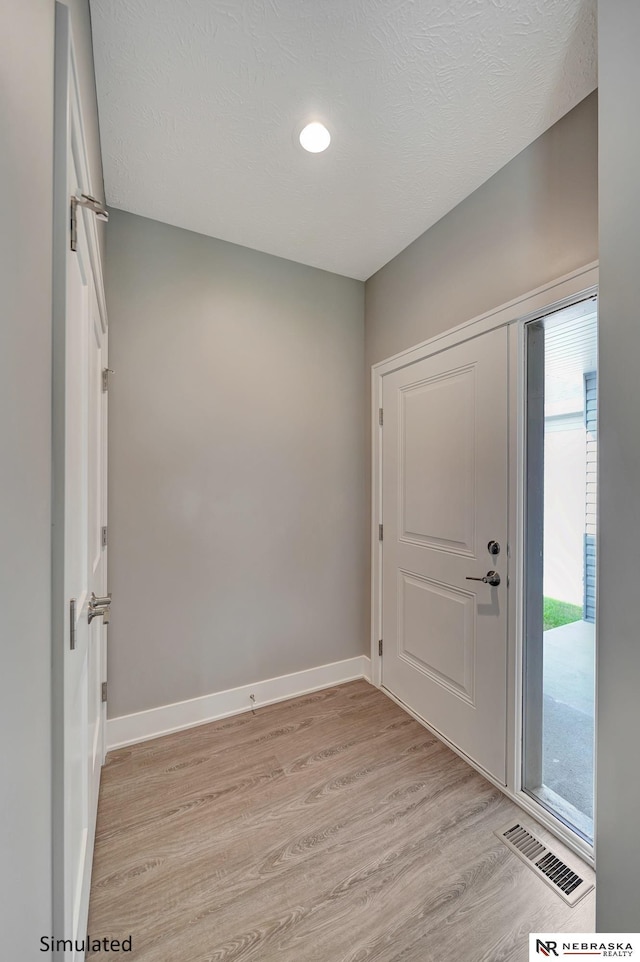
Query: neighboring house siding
[[591, 424]]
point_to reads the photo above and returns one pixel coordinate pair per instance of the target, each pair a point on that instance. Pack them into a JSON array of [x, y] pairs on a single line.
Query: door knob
[[491, 578]]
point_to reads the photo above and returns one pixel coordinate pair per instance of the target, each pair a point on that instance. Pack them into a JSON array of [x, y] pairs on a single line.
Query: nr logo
[[546, 948]]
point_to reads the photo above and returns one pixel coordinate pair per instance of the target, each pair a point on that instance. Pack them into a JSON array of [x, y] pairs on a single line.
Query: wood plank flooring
[[330, 828]]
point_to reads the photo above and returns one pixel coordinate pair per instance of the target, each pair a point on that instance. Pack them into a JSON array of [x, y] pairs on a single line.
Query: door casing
[[562, 292]]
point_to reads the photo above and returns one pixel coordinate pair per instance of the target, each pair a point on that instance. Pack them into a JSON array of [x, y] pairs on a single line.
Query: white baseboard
[[143, 725]]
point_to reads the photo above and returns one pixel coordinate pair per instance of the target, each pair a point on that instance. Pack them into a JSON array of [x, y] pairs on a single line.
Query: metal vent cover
[[564, 881]]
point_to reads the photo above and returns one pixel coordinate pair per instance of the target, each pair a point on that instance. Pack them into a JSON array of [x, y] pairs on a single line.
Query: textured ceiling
[[201, 102]]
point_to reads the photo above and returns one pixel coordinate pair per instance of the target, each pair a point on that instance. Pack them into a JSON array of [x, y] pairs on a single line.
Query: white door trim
[[567, 289], [68, 123], [530, 304]]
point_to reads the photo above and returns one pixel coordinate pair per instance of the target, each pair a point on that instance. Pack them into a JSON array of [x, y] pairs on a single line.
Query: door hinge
[[84, 200], [104, 691], [104, 539], [380, 417], [380, 532], [380, 647], [106, 371], [72, 624]]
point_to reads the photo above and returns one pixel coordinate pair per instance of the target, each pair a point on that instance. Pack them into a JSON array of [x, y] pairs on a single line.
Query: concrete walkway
[[568, 713], [569, 665]]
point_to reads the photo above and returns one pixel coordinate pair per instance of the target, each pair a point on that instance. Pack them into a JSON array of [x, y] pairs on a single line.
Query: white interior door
[[444, 499], [85, 572], [80, 450], [97, 548]]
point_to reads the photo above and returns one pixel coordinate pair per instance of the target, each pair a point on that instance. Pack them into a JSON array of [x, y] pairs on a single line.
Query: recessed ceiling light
[[315, 138]]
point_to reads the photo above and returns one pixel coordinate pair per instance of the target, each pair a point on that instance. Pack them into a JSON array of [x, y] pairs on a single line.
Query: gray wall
[[618, 786], [236, 466], [533, 221], [26, 117], [26, 152]]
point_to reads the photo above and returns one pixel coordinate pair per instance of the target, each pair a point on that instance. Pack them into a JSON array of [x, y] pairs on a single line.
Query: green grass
[[557, 613]]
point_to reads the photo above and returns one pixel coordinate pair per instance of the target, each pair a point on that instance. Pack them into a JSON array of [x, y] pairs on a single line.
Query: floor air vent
[[556, 873]]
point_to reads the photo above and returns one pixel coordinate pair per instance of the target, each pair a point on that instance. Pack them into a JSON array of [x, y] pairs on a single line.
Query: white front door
[[444, 499], [80, 424]]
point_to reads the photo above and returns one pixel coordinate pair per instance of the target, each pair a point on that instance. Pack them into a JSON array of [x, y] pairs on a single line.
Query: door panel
[[79, 448], [78, 659], [433, 514], [97, 499], [444, 497], [85, 567], [446, 654]]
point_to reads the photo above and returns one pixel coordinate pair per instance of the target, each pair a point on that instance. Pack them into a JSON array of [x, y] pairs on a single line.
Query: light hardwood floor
[[330, 828]]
